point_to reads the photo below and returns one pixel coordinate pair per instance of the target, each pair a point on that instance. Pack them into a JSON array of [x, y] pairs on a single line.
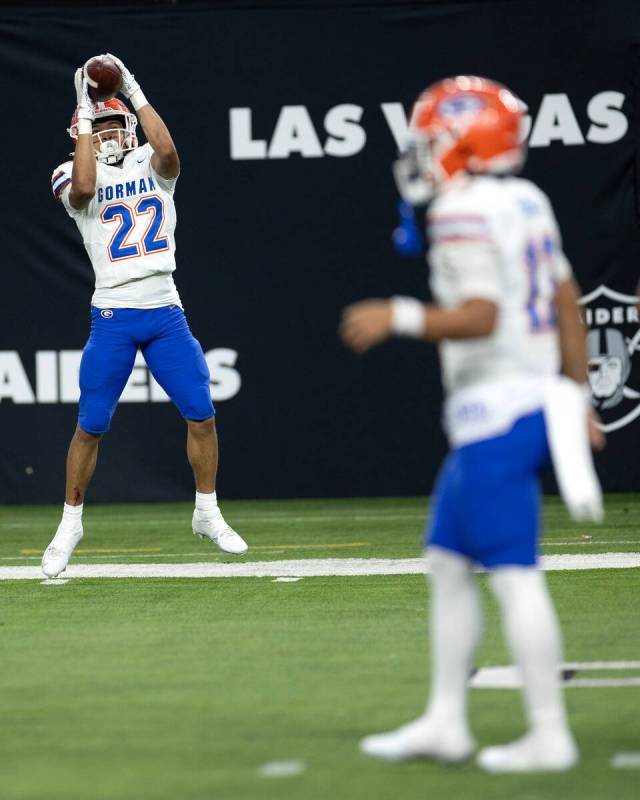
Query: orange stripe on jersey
[[460, 237]]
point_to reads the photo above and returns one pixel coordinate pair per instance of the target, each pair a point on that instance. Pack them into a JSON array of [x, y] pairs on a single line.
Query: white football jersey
[[128, 231], [496, 238]]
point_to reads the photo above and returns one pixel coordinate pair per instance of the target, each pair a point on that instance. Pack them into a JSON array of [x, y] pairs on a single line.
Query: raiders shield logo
[[612, 341]]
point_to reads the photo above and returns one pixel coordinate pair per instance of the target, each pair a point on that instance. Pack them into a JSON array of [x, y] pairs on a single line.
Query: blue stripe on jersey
[[57, 191]]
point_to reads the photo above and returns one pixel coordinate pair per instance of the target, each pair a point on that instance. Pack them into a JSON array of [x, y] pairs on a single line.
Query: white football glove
[[130, 86], [84, 103]]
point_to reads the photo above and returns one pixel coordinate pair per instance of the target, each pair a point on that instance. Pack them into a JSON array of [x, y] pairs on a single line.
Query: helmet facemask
[[418, 172], [110, 148]]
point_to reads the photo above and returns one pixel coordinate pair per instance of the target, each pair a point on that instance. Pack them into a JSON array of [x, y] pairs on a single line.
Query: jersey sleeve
[[168, 184], [468, 252], [61, 185], [560, 264]]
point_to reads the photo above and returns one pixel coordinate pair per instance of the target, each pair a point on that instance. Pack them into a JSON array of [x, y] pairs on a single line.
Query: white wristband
[[408, 316], [84, 126], [138, 100]]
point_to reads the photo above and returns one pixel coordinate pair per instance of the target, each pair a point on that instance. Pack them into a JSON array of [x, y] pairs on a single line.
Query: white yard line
[[509, 677], [578, 561], [320, 567], [626, 760], [590, 543], [282, 769]]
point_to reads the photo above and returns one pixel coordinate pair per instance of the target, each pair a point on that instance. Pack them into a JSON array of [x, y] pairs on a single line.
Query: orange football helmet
[[461, 124], [111, 108]]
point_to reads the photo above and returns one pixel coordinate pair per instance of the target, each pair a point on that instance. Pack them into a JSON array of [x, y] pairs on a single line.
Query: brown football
[[104, 78]]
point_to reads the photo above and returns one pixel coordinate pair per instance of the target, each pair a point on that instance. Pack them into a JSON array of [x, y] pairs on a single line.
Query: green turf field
[[184, 688]]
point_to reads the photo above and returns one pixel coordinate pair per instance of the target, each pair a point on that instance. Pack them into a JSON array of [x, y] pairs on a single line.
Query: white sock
[[206, 501], [72, 514], [456, 628], [533, 634]]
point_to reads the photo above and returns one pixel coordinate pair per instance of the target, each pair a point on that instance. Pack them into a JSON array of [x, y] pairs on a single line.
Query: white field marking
[[282, 769], [597, 683], [312, 567], [261, 518], [509, 677], [286, 580], [579, 561], [626, 761], [596, 666], [53, 582], [600, 543]]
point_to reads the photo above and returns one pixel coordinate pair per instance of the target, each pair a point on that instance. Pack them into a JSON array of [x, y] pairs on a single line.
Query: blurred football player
[[120, 195], [506, 320]]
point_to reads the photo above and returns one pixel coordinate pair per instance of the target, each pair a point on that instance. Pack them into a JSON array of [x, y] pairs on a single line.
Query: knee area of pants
[[93, 423], [202, 428]]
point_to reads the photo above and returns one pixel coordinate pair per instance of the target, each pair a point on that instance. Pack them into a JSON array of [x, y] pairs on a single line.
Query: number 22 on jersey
[[124, 217]]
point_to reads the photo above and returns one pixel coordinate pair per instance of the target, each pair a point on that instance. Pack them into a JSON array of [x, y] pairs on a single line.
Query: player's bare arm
[[83, 176], [370, 322], [165, 159], [573, 347]]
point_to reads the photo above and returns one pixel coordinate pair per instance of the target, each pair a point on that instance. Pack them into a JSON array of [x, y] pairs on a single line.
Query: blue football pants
[[173, 355], [486, 503]]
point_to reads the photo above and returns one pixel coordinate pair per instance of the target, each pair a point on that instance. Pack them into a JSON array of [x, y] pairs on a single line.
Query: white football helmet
[[111, 151]]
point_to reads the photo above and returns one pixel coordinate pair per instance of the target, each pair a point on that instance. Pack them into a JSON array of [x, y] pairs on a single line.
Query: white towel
[[565, 411]]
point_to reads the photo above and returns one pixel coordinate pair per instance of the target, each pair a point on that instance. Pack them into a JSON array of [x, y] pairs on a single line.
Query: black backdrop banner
[[287, 118]]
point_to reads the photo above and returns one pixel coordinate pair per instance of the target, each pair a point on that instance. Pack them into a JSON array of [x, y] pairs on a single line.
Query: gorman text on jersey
[[128, 189]]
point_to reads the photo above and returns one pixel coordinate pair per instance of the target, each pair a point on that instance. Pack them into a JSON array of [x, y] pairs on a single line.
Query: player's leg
[[177, 362], [202, 452], [456, 629], [533, 635], [505, 533], [207, 521], [442, 732], [107, 361], [82, 457]]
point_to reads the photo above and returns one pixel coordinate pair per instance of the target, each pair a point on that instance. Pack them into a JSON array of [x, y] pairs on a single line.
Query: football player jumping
[[507, 322], [120, 195]]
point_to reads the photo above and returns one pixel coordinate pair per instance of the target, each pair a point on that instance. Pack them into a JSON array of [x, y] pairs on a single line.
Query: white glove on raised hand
[[130, 86], [84, 103]]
